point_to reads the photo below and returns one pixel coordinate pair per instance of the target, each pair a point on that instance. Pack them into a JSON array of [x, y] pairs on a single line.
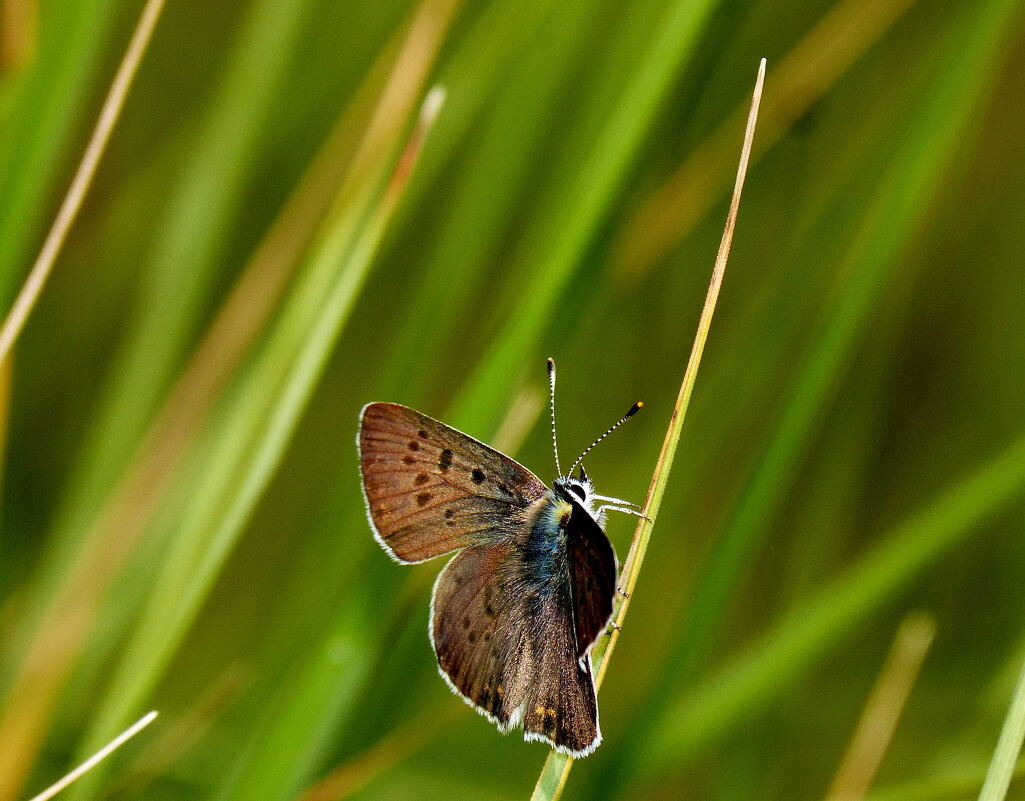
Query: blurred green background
[[182, 527]]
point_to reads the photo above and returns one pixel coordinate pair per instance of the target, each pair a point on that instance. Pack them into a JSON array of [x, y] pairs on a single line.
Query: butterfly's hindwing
[[478, 631], [431, 489]]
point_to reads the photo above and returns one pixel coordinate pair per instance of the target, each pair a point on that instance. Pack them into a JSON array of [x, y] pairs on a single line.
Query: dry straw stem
[[109, 114], [96, 758], [883, 709], [1003, 768], [557, 766]]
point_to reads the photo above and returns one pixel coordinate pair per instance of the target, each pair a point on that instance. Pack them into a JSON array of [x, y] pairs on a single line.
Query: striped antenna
[[551, 392], [633, 410]]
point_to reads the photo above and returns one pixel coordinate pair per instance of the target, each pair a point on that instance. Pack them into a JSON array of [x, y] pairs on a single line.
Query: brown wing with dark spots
[[478, 630], [431, 489]]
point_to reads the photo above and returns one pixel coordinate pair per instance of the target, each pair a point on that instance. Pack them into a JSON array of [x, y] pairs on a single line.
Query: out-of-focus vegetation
[[182, 527]]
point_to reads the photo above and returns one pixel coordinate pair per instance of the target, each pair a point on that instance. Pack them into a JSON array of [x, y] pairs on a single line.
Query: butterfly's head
[[577, 488]]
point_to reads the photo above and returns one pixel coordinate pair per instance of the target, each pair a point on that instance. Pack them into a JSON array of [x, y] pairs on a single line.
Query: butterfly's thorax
[[549, 518]]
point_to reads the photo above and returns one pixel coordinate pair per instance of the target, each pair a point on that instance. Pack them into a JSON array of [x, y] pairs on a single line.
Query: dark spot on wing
[[423, 498], [466, 621], [414, 446], [422, 434], [448, 514], [421, 479], [408, 459], [471, 637], [487, 638], [489, 610], [477, 475], [445, 460]]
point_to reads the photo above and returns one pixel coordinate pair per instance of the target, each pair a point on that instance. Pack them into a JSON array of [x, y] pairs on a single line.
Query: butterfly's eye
[[579, 491]]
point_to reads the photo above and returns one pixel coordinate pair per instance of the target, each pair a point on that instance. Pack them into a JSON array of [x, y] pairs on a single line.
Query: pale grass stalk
[[807, 72], [109, 113], [883, 709], [556, 768], [1002, 768], [96, 758]]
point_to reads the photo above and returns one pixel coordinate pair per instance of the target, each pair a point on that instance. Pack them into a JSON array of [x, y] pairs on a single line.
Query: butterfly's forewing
[[431, 489], [592, 573]]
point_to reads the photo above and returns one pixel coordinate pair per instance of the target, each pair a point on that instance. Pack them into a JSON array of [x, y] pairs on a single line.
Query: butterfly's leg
[[615, 501], [624, 509]]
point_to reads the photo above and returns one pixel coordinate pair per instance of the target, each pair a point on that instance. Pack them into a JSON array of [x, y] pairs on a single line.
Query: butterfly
[[515, 613]]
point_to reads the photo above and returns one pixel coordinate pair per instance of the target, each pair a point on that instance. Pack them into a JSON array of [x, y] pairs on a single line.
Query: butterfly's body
[[515, 613]]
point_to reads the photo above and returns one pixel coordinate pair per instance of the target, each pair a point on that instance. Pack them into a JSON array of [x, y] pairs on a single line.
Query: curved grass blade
[[556, 768]]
